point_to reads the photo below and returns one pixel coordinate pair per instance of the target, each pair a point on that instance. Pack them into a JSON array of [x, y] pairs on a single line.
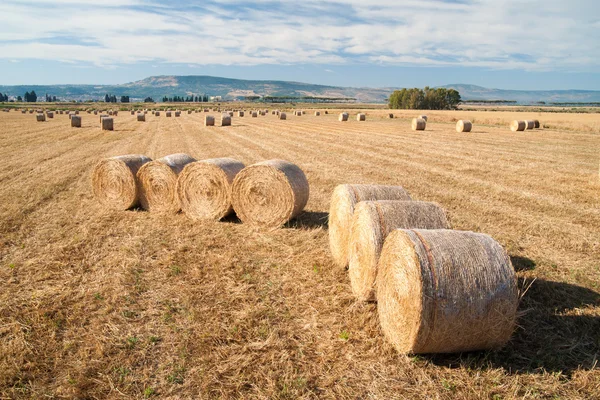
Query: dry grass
[[108, 304]]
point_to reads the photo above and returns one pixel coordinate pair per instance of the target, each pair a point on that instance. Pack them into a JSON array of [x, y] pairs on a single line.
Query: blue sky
[[507, 44]]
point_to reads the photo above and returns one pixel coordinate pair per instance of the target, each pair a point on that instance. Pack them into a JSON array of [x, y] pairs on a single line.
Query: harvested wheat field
[[99, 303]]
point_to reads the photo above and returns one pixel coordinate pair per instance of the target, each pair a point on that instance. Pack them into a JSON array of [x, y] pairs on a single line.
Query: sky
[[505, 44]]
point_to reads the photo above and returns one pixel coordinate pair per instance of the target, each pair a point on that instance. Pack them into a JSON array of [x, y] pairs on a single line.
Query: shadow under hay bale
[[309, 220]]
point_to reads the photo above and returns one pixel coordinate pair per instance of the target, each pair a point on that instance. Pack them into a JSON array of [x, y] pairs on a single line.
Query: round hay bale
[[177, 113], [372, 222], [326, 112], [132, 112], [50, 114], [158, 181], [530, 124], [464, 126], [95, 112], [141, 117], [157, 113], [443, 291], [391, 116], [423, 117], [254, 114], [536, 124], [517, 126], [76, 121], [107, 124], [240, 113], [204, 188], [317, 113], [23, 111], [343, 201], [225, 120], [110, 112], [209, 120], [418, 124], [282, 115], [40, 117], [168, 114], [343, 117], [77, 112], [189, 112], [270, 193], [114, 181], [361, 117]]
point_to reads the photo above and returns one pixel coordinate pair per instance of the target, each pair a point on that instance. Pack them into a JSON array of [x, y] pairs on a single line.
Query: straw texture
[[114, 181], [341, 210], [371, 224], [270, 193], [204, 188], [158, 181], [442, 291]]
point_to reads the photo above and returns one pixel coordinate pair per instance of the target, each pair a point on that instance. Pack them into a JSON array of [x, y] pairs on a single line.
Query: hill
[[159, 86]]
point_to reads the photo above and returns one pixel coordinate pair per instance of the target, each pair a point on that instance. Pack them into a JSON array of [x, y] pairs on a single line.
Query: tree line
[[425, 99], [188, 99]]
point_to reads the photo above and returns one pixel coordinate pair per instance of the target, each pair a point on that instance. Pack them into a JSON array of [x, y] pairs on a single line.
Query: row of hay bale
[[519, 126], [437, 290], [267, 194]]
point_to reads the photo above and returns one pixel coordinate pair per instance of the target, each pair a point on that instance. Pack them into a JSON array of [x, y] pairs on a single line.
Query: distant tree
[[124, 99], [148, 100], [424, 99], [106, 98], [19, 98], [205, 98], [54, 99]]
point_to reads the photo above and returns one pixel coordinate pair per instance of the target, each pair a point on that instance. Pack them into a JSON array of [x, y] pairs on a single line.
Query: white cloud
[[530, 35]]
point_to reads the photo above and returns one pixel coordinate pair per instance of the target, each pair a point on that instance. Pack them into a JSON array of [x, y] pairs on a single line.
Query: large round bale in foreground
[[270, 193], [341, 210], [225, 120], [444, 291], [107, 124], [343, 117], [372, 222], [204, 188], [530, 124], [158, 181], [418, 124], [114, 181], [76, 121], [464, 126], [518, 126]]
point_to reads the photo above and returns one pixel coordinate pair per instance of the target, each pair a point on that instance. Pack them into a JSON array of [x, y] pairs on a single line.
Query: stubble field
[[104, 304]]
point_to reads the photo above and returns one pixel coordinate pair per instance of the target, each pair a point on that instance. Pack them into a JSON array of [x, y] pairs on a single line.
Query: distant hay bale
[[206, 110], [326, 112], [361, 117], [341, 209], [282, 115], [530, 124], [273, 112], [30, 111], [464, 126], [101, 116], [209, 120], [240, 113], [391, 116], [114, 181], [517, 126], [225, 120], [418, 124], [76, 121], [95, 112], [141, 117], [372, 222], [157, 113], [270, 193], [40, 117], [444, 291], [168, 114], [132, 112], [158, 181], [230, 113], [254, 114], [536, 124], [110, 112], [107, 124], [189, 112], [204, 188], [317, 113], [303, 112], [50, 114], [77, 112], [23, 111], [423, 117], [177, 113], [343, 117]]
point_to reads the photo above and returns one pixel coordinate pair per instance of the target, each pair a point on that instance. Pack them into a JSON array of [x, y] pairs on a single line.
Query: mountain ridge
[[230, 88]]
